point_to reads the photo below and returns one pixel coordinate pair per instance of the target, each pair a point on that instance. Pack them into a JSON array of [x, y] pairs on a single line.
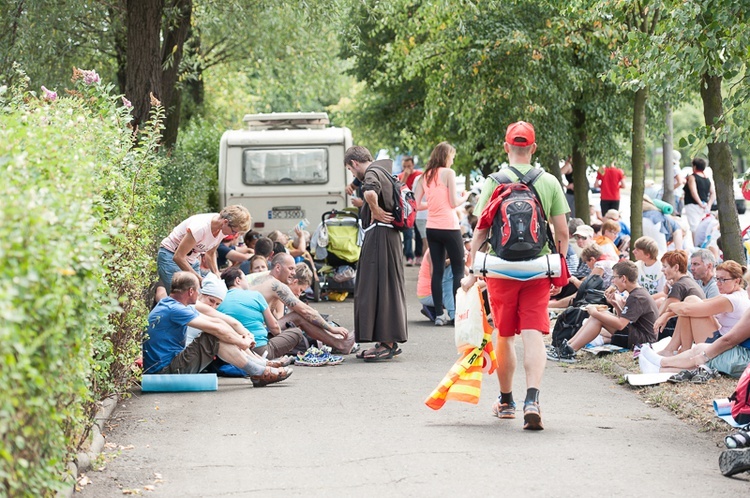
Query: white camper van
[[284, 168]]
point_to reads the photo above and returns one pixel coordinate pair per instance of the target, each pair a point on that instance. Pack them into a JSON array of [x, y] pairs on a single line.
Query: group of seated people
[[249, 321], [684, 313]]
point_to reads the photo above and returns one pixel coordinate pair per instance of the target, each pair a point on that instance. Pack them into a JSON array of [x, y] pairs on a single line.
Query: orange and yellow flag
[[464, 380]]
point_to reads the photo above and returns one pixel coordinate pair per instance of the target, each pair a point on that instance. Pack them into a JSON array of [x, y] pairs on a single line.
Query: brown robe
[[380, 301]]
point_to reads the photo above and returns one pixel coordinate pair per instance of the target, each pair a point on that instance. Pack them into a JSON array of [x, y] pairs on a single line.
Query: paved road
[[362, 429]]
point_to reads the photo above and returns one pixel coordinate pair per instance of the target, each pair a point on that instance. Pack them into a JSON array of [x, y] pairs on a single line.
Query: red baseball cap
[[520, 134]]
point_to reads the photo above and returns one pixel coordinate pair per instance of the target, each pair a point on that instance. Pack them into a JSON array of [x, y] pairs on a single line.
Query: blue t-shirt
[[167, 324], [247, 306]]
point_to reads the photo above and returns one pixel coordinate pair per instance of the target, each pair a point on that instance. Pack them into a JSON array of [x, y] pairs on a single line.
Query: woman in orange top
[[437, 194]]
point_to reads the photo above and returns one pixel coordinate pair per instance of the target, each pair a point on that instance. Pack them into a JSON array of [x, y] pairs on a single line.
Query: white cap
[[214, 286]]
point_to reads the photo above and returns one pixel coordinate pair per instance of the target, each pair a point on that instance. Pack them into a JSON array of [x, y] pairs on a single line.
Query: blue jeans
[[408, 248], [166, 267], [449, 301]]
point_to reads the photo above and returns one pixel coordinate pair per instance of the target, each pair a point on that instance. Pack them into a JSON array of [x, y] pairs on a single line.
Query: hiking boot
[[704, 375], [733, 462], [504, 410], [563, 354], [683, 376], [443, 319], [532, 417]]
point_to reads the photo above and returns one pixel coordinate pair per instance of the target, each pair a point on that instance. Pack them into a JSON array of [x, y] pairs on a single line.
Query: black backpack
[[519, 228], [569, 321]]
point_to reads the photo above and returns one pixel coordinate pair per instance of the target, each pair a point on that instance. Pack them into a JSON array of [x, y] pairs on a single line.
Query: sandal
[[739, 440], [270, 376], [386, 353]]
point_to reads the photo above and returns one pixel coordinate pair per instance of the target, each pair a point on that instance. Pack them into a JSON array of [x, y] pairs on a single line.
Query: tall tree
[[143, 68]]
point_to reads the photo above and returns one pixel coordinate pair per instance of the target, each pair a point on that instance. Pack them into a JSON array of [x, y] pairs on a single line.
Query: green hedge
[[76, 246]]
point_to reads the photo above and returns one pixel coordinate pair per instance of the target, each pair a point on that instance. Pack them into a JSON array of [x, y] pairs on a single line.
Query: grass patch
[[692, 403]]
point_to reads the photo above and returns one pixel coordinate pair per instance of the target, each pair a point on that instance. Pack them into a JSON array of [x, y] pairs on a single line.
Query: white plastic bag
[[469, 317]]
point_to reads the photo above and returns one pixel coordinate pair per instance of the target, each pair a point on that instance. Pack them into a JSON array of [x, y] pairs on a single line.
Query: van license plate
[[286, 214]]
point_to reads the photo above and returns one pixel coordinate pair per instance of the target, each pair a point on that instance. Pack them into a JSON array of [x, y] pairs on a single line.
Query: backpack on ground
[[741, 399], [569, 321], [405, 203], [519, 228]]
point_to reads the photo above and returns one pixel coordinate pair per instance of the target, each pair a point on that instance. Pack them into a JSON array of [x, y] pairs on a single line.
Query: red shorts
[[518, 306]]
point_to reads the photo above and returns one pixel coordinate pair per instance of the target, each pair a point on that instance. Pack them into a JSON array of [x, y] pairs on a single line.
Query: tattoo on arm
[[285, 295]]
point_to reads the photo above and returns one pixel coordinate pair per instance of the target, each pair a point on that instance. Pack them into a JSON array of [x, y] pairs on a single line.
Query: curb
[[83, 460]]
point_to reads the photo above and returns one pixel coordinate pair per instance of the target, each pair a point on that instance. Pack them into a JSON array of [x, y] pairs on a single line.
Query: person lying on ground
[[631, 324], [251, 309], [706, 320], [288, 308], [729, 354], [164, 350]]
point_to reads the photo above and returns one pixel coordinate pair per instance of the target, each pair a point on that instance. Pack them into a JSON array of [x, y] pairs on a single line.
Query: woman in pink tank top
[[437, 194]]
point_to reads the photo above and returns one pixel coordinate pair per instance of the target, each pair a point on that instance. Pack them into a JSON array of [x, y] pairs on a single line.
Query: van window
[[284, 166]]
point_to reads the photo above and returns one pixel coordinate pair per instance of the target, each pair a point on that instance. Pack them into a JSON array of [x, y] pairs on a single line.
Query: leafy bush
[[190, 176], [76, 242]]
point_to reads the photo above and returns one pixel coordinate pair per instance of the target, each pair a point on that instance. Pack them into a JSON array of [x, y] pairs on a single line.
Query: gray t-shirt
[[710, 289]]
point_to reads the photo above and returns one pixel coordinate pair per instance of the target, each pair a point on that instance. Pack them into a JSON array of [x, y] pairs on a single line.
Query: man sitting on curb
[[164, 350], [274, 287], [632, 324]]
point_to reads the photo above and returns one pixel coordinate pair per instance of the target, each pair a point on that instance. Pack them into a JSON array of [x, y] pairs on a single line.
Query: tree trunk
[[175, 34], [720, 160], [580, 180], [552, 161], [117, 13], [144, 72], [668, 195], [638, 162]]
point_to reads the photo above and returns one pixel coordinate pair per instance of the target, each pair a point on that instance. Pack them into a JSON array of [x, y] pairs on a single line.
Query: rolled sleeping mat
[[175, 383], [541, 267], [665, 207]]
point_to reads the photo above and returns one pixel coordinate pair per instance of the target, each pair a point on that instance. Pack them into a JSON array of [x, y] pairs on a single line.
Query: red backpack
[[741, 399], [405, 210], [519, 227]]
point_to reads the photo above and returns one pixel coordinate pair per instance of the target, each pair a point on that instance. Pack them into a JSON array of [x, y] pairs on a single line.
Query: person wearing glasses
[[706, 320], [199, 235], [631, 324]]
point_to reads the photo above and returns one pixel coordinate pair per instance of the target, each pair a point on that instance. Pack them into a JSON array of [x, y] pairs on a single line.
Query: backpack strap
[[529, 179]]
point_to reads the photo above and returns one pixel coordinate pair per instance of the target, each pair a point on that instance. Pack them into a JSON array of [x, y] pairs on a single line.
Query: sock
[[253, 369], [598, 341], [651, 355], [532, 395], [506, 397], [647, 367]]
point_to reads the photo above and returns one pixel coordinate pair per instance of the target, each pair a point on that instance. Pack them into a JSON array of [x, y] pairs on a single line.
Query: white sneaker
[[442, 319]]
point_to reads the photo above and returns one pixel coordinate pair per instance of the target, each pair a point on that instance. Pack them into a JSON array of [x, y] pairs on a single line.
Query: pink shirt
[[440, 213], [424, 280], [200, 228]]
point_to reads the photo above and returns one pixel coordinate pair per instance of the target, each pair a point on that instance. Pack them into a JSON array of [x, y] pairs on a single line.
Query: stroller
[[337, 243]]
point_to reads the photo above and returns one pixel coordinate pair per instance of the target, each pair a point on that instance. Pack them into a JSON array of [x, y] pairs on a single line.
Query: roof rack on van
[[286, 120]]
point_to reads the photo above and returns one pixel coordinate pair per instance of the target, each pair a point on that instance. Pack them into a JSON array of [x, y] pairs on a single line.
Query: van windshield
[[284, 166]]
